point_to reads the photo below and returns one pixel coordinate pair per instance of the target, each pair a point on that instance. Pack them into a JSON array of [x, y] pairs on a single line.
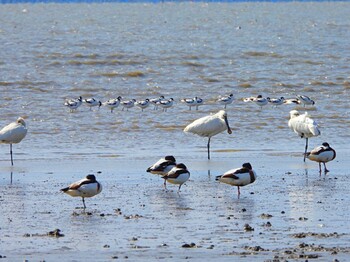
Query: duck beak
[[228, 126]]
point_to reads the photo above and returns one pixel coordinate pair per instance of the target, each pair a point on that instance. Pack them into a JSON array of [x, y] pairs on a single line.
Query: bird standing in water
[[322, 154]]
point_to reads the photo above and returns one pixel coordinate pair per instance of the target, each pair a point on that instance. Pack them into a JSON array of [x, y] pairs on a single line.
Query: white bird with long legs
[[304, 126], [73, 104], [87, 187], [238, 177], [322, 154], [155, 101], [209, 126], [167, 103], [13, 133], [112, 103], [92, 102], [143, 104]]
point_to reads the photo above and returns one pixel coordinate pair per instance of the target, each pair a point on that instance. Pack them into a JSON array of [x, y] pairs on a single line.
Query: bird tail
[[218, 178], [65, 189]]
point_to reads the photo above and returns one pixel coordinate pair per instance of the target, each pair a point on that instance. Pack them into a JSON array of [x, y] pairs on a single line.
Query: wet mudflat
[[289, 213]]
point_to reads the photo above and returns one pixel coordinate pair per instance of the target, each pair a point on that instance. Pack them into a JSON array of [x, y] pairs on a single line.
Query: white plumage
[[305, 100], [209, 126], [142, 104], [13, 133], [92, 102], [112, 103], [73, 104], [226, 100], [303, 125]]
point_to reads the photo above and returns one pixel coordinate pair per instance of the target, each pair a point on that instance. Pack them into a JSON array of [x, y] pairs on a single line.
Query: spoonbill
[[238, 177], [13, 133], [225, 100], [177, 175], [87, 187], [304, 126], [322, 154], [209, 126], [162, 166]]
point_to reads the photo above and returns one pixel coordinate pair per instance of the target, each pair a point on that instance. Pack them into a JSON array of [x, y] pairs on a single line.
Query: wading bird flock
[[207, 126]]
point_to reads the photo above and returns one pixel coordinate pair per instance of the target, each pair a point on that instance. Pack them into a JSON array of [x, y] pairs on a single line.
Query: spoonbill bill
[[238, 177], [178, 175], [87, 187], [304, 126], [13, 133], [322, 154], [162, 166], [209, 126]]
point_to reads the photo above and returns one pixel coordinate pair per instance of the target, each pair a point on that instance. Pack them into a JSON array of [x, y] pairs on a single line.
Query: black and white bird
[[87, 187], [322, 154], [304, 126], [155, 101], [74, 103], [305, 100], [92, 102], [178, 175], [128, 104], [239, 177], [166, 103], [112, 103], [226, 100], [276, 101], [143, 104], [13, 133], [162, 166]]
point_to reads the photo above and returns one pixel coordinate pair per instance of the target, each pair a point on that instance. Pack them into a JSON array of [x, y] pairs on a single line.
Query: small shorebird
[[162, 166], [305, 100], [291, 101], [167, 103], [92, 102], [304, 126], [13, 133], [209, 126], [189, 102], [112, 103], [226, 100], [276, 101], [238, 177], [259, 100], [322, 154], [177, 175], [142, 104], [73, 104], [87, 187], [128, 104], [155, 101]]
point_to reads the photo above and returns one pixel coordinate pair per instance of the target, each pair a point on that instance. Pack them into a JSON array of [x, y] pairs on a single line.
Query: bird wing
[[13, 132], [206, 126]]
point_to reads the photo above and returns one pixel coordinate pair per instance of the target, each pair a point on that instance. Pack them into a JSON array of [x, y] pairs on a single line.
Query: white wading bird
[[209, 126], [304, 126], [155, 101], [322, 154], [162, 166], [13, 133], [177, 175], [165, 104], [242, 176], [225, 100], [305, 100], [87, 187], [128, 104]]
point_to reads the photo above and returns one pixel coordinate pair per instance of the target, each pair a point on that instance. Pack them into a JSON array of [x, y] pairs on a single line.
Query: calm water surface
[[51, 52]]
